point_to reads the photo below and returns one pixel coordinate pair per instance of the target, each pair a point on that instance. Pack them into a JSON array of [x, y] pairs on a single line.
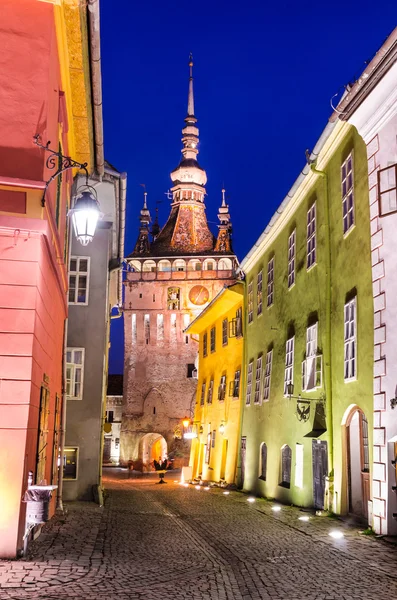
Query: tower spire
[[142, 245], [190, 99], [224, 241]]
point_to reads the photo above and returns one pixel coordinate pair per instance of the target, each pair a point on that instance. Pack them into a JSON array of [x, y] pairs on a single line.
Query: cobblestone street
[[155, 542]]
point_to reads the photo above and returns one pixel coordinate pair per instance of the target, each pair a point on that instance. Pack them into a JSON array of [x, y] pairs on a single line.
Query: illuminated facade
[[49, 95], [308, 322], [173, 273], [216, 420]]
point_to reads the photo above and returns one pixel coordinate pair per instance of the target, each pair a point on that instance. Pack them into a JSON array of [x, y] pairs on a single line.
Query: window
[[263, 471], [213, 438], [259, 292], [222, 388], [268, 373], [249, 383], [387, 185], [110, 416], [270, 282], [208, 449], [225, 339], [312, 365], [160, 327], [74, 373], [146, 321], [202, 397], [70, 461], [79, 272], [289, 363], [286, 456], [190, 370], [347, 194], [42, 438], [133, 328], [205, 344], [236, 384], [55, 447], [364, 432], [311, 236], [299, 465], [350, 341], [173, 298], [210, 392], [250, 302], [213, 339], [236, 324], [258, 375], [291, 259]]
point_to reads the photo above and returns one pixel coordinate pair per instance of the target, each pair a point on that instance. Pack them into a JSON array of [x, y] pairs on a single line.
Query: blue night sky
[[264, 74]]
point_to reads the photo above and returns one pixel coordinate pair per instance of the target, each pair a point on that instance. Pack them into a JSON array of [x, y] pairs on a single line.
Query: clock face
[[199, 295]]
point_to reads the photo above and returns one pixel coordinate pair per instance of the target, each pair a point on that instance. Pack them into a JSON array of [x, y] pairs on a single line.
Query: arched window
[[179, 265], [173, 298], [225, 264], [149, 266], [263, 471], [209, 264], [164, 265], [194, 265], [135, 266], [286, 456]]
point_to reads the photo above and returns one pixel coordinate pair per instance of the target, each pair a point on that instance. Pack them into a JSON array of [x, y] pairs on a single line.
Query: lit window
[[225, 324], [160, 327], [289, 364], [259, 292], [350, 341], [312, 365], [173, 298], [133, 327], [268, 373], [79, 274], [239, 322], [147, 328], [387, 185], [74, 373], [347, 194], [258, 375], [291, 258], [70, 462], [270, 282], [222, 388], [311, 236], [213, 339], [210, 391], [250, 302], [249, 383]]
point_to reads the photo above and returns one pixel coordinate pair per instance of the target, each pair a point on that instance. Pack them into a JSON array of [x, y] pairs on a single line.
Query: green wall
[[274, 422]]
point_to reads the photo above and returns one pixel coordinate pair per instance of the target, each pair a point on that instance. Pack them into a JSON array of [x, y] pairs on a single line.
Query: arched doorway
[[357, 463], [152, 447]]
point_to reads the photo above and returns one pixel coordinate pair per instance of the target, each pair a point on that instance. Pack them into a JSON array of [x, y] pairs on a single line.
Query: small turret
[[142, 245], [224, 240]]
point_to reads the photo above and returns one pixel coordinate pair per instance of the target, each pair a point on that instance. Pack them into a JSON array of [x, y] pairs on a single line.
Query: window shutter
[[319, 371], [304, 375]]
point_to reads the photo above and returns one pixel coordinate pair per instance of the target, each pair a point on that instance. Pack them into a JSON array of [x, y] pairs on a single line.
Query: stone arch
[[149, 266], [164, 265], [225, 264], [135, 265], [153, 402], [179, 265], [194, 264], [209, 264], [152, 446]]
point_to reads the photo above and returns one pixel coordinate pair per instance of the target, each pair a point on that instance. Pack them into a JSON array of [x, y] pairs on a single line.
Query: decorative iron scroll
[[56, 160]]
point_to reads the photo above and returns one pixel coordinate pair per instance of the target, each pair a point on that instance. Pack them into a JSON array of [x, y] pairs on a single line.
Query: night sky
[[264, 74]]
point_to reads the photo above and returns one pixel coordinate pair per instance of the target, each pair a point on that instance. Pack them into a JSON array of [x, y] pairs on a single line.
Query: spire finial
[[223, 197], [190, 100]]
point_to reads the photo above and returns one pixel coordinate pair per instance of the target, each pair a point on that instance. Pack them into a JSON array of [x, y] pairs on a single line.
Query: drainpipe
[[328, 349], [244, 365], [62, 430], [96, 83]]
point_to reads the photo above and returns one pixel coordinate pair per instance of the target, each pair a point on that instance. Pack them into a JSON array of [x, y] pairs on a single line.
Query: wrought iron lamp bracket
[[303, 405], [393, 402], [56, 160]]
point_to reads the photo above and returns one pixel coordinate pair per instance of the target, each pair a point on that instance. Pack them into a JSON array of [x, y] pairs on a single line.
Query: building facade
[[170, 278], [95, 289], [371, 106], [46, 86], [216, 422], [114, 412], [307, 408]]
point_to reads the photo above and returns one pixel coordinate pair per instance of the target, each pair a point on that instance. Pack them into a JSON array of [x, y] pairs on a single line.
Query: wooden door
[[107, 449], [320, 470], [242, 459]]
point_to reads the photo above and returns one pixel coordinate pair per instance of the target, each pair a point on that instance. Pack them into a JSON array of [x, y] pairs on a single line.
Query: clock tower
[[172, 274]]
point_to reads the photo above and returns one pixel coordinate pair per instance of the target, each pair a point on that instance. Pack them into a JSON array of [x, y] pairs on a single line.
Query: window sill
[[311, 267], [350, 379], [348, 232]]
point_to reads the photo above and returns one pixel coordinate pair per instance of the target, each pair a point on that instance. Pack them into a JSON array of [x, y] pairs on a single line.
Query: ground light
[[251, 499], [336, 534], [304, 518], [197, 487], [206, 488], [276, 508], [185, 484], [226, 493]]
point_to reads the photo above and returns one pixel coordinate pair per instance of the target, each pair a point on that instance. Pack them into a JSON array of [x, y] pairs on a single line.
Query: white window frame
[[225, 332], [310, 364], [311, 249], [202, 397], [347, 189], [258, 379], [259, 289], [289, 363], [236, 383], [77, 274], [387, 189], [213, 340], [291, 259], [249, 383], [210, 392], [205, 344], [350, 340], [267, 375], [222, 388], [73, 367], [250, 303], [270, 282]]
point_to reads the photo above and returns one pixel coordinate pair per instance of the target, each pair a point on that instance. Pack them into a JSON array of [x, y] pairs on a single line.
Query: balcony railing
[[180, 275]]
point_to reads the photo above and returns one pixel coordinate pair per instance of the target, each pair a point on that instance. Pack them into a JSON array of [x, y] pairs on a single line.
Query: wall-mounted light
[[85, 214], [222, 427], [303, 404]]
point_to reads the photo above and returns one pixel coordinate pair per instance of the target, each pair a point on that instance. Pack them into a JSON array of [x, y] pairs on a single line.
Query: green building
[[306, 434]]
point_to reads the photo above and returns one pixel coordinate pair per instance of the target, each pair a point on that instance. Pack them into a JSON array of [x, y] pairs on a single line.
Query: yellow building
[[217, 411]]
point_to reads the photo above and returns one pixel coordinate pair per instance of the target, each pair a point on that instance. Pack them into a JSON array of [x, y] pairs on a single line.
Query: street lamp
[[85, 214], [303, 404]]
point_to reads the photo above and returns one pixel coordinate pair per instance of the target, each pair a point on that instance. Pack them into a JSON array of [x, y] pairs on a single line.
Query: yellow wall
[[224, 361]]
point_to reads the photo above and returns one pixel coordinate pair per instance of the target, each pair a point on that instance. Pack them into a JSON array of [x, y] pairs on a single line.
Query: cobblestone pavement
[[153, 542]]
